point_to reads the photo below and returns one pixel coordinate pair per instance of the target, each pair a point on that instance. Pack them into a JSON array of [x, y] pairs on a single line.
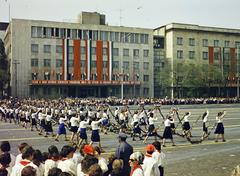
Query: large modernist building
[[201, 45], [91, 58], [87, 58]]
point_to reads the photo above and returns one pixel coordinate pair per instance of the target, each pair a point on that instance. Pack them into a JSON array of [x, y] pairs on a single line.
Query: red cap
[[88, 149], [150, 148]]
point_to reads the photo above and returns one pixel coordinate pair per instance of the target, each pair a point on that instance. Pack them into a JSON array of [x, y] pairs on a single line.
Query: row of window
[[216, 55], [205, 42], [115, 77], [47, 49], [124, 37], [115, 64]]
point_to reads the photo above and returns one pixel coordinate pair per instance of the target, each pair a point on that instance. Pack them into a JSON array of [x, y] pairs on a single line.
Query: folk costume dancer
[[136, 126], [41, 117], [152, 131], [186, 125], [74, 121], [61, 127], [205, 126], [167, 134], [48, 127], [83, 130], [220, 127], [105, 121], [95, 131], [34, 120], [122, 121]]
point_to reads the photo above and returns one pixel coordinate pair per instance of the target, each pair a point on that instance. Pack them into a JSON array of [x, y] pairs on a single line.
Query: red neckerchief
[[63, 159], [148, 155], [24, 163], [135, 168]]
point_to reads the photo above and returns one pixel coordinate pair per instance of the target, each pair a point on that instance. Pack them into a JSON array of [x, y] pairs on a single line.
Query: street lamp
[[238, 47]]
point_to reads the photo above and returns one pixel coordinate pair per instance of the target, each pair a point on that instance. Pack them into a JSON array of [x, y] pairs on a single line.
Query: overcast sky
[[135, 13]]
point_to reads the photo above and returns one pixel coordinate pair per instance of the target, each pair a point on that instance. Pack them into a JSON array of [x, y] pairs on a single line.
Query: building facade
[[58, 59], [216, 49]]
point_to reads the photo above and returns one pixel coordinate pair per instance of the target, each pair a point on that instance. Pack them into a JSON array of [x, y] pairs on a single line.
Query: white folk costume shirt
[[62, 120], [173, 118], [49, 164], [186, 117], [219, 118], [135, 119], [27, 115], [167, 123], [150, 166], [152, 120], [68, 166], [116, 112], [41, 116], [159, 157], [83, 124], [205, 119], [122, 117], [49, 118], [74, 121], [95, 125], [34, 115], [17, 169]]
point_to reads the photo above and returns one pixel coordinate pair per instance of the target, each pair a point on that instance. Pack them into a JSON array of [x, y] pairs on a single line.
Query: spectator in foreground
[[123, 152]]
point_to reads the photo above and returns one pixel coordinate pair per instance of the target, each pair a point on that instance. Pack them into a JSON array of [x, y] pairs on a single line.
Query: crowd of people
[[83, 161], [97, 115]]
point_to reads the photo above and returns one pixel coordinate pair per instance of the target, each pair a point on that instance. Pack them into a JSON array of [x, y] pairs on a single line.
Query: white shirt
[[74, 121], [68, 166], [186, 117], [83, 124], [152, 120], [219, 118], [17, 169], [62, 120], [167, 123], [150, 167], [49, 164], [122, 117], [205, 119], [94, 124], [18, 158], [135, 118], [159, 157], [49, 117], [103, 164], [138, 172]]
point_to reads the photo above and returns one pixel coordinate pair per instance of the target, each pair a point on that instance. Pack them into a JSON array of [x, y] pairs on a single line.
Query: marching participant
[[61, 128], [34, 120], [152, 131], [48, 125], [95, 131], [41, 118], [167, 134], [186, 125], [220, 128], [205, 127], [83, 130], [136, 126], [74, 121]]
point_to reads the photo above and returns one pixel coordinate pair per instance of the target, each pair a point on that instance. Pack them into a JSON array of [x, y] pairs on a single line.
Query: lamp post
[[122, 40], [238, 47]]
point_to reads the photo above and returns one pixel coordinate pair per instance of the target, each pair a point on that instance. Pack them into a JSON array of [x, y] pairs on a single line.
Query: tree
[[4, 74]]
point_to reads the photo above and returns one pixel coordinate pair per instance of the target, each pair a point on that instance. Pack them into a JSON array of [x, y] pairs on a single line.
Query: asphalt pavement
[[209, 158]]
